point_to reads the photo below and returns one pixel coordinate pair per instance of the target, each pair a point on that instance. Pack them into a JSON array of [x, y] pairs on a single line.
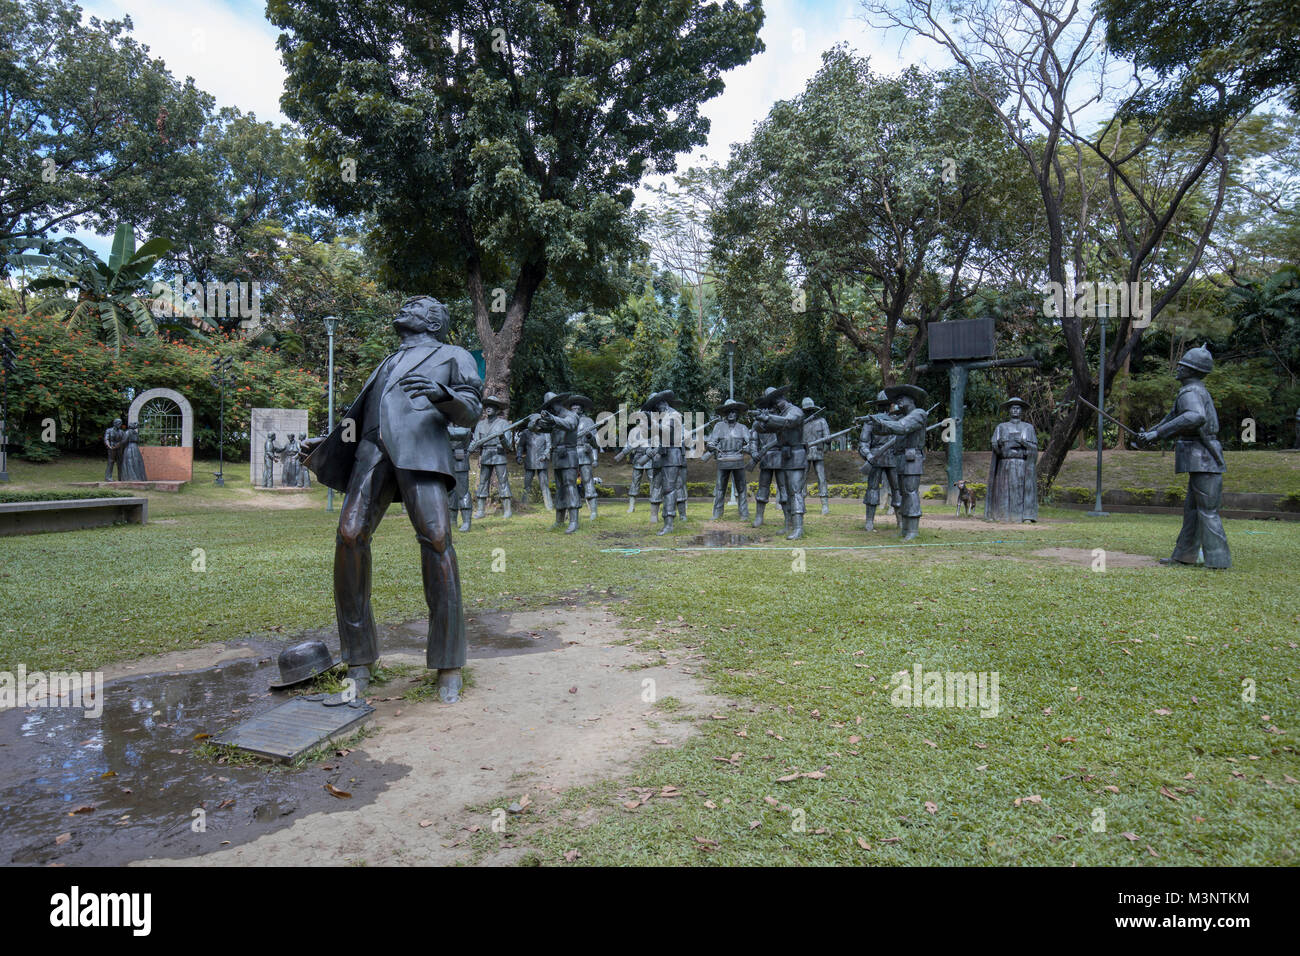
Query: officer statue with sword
[[907, 425], [1199, 455], [729, 443], [816, 433]]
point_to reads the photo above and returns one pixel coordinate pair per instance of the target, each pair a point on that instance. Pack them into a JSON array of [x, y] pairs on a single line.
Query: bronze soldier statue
[[1199, 455], [767, 457], [588, 450], [492, 439], [729, 443], [460, 439], [908, 451], [879, 467], [562, 425], [392, 444], [668, 441], [1013, 473], [776, 415], [638, 447], [816, 430], [534, 453]]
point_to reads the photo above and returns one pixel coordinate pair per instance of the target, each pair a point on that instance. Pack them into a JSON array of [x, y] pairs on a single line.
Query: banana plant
[[115, 293]]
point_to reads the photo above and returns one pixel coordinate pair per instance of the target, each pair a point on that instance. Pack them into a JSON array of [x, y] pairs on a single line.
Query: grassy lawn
[[1121, 692]]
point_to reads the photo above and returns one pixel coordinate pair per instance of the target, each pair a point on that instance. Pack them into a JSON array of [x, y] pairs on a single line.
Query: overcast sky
[[229, 48]]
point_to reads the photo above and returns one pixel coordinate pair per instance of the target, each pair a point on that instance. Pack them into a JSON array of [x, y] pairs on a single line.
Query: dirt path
[[532, 724]]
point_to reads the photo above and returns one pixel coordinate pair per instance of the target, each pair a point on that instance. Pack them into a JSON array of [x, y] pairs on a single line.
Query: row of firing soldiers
[[783, 441]]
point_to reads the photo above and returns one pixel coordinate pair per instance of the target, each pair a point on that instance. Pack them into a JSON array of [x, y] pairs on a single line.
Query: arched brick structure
[[168, 462]]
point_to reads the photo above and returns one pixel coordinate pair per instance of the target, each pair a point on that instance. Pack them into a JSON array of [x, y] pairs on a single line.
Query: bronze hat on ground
[[303, 661]]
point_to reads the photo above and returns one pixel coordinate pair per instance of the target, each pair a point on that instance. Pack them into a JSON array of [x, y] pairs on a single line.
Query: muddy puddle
[[126, 785]]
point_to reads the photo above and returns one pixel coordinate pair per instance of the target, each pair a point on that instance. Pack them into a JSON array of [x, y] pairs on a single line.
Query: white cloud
[[228, 47], [795, 35]]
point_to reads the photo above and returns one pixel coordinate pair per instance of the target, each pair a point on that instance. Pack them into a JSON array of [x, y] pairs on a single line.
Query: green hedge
[[11, 497]]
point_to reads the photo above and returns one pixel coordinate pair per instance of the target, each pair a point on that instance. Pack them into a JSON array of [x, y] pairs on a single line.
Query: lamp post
[[221, 378], [731, 370], [1103, 313], [731, 394], [330, 322]]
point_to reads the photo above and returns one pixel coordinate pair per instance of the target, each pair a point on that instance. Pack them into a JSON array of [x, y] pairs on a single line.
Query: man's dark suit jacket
[[413, 430]]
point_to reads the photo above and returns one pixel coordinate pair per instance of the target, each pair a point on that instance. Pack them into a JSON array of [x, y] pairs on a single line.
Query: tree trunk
[[1062, 438], [499, 345]]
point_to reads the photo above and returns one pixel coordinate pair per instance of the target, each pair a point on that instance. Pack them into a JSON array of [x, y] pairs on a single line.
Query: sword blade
[[1108, 418]]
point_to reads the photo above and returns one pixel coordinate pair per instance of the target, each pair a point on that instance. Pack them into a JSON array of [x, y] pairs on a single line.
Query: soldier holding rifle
[[816, 433], [907, 424], [638, 446], [588, 449], [730, 441], [668, 441], [557, 420], [777, 416], [493, 439], [460, 439], [534, 453]]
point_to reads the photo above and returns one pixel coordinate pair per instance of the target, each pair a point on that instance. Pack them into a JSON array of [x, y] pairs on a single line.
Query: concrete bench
[[34, 517]]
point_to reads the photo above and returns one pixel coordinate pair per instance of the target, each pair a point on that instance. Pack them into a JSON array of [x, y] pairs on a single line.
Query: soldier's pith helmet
[[732, 405], [1198, 360], [551, 398], [882, 398], [494, 402], [810, 408], [771, 396], [1015, 400], [667, 395], [576, 399]]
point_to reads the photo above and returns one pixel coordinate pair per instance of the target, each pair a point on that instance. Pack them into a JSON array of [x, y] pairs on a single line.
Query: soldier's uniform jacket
[[788, 427], [563, 429], [871, 440], [493, 452], [728, 444], [587, 443], [639, 447], [460, 439], [769, 453], [909, 451], [536, 449], [812, 430], [1196, 424], [671, 450]]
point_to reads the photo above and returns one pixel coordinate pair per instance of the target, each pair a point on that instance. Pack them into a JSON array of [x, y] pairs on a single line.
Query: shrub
[[1080, 496], [38, 452], [1143, 496], [935, 492], [11, 497]]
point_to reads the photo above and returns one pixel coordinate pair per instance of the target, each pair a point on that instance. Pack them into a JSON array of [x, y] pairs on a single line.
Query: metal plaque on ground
[[290, 730]]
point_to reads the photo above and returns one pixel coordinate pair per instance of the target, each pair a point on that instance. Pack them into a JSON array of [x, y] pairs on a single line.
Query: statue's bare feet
[[449, 684]]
